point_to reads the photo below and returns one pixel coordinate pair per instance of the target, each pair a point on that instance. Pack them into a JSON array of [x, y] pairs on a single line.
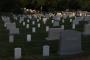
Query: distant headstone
[[5, 24], [71, 20], [47, 28], [87, 18], [57, 18], [44, 20], [62, 26], [79, 18], [27, 26], [37, 20], [33, 22], [70, 42], [52, 21], [28, 37], [38, 25], [73, 26], [76, 22], [46, 50], [65, 16], [23, 23], [33, 29], [63, 21], [56, 23], [14, 31], [17, 53], [10, 26], [28, 21], [11, 38]]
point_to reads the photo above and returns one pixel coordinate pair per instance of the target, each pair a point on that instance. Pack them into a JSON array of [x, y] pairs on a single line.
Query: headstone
[[71, 20], [70, 42], [54, 34], [5, 24], [87, 18], [33, 22], [79, 18], [46, 50], [23, 23], [76, 22], [63, 21], [62, 26], [28, 21], [86, 29], [52, 21], [73, 26], [38, 25], [28, 37], [57, 18], [65, 17], [44, 20], [17, 53], [11, 38], [15, 17], [56, 23], [27, 26], [37, 20], [47, 28], [14, 31], [10, 26], [33, 29]]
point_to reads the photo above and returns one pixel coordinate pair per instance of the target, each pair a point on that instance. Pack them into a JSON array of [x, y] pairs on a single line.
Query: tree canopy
[[9, 5]]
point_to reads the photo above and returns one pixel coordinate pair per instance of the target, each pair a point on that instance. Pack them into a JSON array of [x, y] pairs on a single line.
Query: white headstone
[[52, 21], [5, 24], [33, 22], [28, 20], [33, 29], [63, 21], [11, 38], [37, 20], [70, 20], [62, 26], [14, 31], [10, 26], [47, 28], [27, 26], [46, 50], [17, 53], [57, 18], [44, 20], [23, 23], [38, 25], [28, 37], [73, 26]]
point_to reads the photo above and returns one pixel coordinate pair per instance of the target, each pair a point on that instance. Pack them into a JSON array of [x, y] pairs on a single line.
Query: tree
[[38, 3], [22, 3]]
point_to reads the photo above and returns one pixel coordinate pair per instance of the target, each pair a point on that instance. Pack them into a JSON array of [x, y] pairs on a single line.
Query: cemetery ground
[[34, 50]]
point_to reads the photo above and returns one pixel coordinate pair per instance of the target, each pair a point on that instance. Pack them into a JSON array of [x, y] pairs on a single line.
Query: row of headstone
[[10, 26], [18, 52], [77, 20], [69, 44]]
